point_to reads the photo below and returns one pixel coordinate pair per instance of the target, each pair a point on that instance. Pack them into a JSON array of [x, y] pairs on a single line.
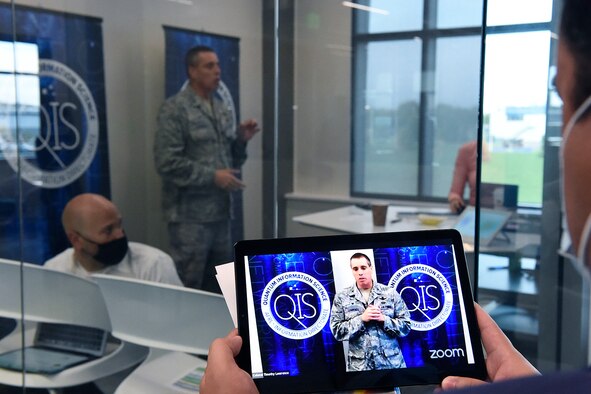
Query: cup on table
[[379, 211]]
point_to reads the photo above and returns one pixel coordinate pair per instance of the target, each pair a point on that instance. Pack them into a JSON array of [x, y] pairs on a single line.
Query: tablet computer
[[300, 311]]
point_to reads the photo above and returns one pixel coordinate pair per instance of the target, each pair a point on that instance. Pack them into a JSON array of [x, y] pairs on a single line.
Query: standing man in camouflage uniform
[[198, 156], [370, 316]]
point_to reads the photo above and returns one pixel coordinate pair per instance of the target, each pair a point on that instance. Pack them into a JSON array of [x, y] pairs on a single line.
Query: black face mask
[[112, 252]]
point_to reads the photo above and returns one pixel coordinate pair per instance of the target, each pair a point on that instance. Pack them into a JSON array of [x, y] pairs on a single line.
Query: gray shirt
[[193, 140]]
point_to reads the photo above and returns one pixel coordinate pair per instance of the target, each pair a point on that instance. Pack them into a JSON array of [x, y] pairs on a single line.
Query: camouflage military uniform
[[193, 140], [372, 345]]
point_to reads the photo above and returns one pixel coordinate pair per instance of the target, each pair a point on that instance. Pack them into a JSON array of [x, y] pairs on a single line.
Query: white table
[[58, 297], [354, 220], [118, 357], [165, 372]]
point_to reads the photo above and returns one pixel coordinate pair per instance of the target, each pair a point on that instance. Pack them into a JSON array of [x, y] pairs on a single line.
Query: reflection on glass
[[510, 12], [459, 13], [26, 57], [388, 118], [399, 15], [19, 98], [515, 111], [457, 90]]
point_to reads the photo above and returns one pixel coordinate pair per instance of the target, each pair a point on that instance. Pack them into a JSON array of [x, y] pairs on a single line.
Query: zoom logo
[[65, 138], [295, 305], [427, 294], [447, 353]]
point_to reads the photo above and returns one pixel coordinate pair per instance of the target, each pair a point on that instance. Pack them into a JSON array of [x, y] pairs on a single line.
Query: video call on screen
[[290, 296]]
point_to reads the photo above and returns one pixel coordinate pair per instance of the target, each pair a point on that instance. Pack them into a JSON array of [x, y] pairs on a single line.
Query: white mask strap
[[567, 130], [584, 240], [575, 118]]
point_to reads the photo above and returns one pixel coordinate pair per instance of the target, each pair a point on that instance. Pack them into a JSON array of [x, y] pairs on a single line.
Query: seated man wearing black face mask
[[94, 227]]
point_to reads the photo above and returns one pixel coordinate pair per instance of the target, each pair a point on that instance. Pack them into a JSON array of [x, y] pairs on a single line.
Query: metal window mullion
[[425, 143]]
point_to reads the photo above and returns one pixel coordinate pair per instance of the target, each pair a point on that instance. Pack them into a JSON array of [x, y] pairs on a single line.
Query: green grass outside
[[525, 169]]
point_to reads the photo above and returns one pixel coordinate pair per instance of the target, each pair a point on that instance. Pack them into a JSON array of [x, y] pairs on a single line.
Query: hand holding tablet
[[315, 318]]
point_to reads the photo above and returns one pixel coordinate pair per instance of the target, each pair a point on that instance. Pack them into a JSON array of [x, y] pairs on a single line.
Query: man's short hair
[[191, 56], [360, 255], [575, 33]]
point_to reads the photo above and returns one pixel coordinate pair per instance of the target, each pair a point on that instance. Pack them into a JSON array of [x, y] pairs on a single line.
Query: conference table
[[500, 262], [507, 275], [354, 219]]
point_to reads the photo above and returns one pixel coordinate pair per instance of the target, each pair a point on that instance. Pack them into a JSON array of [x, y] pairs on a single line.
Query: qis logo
[[295, 305], [63, 144], [427, 294]]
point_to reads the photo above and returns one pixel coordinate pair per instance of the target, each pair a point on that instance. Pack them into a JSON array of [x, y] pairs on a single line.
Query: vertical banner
[[53, 128], [178, 42]]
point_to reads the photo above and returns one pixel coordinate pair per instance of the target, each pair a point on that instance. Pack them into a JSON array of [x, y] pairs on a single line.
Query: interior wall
[[133, 39]]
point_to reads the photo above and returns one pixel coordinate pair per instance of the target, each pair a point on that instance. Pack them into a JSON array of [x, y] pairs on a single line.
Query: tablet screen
[[356, 311]]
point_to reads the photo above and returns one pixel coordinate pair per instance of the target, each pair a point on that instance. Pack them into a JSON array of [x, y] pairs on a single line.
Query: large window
[[416, 95], [416, 89], [515, 95]]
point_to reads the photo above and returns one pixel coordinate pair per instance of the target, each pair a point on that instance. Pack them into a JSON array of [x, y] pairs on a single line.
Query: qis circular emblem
[[63, 144], [427, 294], [295, 305]]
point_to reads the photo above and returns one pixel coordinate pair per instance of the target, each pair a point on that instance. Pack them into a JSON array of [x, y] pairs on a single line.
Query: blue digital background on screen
[[301, 338], [437, 320]]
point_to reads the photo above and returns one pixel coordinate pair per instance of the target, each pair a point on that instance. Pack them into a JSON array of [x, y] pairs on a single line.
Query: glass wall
[[414, 106], [81, 85], [359, 102], [422, 91]]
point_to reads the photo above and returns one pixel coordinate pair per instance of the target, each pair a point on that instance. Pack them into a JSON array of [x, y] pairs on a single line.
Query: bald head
[[88, 214], [91, 221]]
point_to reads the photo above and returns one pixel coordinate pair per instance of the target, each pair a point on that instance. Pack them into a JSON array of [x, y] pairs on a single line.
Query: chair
[[172, 321], [56, 297], [164, 316]]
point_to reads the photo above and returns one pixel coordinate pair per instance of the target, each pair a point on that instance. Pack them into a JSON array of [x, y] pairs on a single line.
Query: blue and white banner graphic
[[53, 126], [178, 42], [425, 277], [292, 296]]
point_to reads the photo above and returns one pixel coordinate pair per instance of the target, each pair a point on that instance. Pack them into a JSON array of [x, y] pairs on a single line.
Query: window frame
[[428, 36]]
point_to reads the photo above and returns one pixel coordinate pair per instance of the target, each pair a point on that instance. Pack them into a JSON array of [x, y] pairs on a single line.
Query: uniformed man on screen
[[371, 316]]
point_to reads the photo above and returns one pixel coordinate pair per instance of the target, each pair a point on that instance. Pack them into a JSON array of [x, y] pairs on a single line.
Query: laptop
[[492, 221], [498, 196], [56, 348]]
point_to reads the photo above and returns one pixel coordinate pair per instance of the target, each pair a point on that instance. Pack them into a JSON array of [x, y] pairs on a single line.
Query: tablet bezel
[[342, 380]]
